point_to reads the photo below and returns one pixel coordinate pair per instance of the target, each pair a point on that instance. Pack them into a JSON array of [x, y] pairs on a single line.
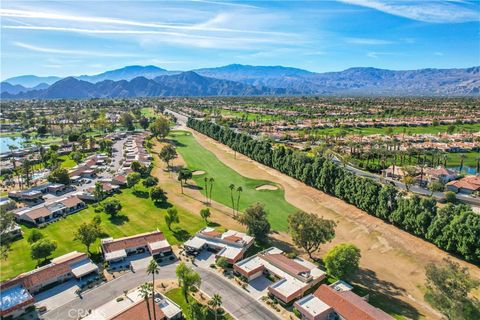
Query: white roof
[[288, 285], [168, 307], [84, 268], [159, 245], [115, 255], [230, 252], [313, 305], [195, 243]]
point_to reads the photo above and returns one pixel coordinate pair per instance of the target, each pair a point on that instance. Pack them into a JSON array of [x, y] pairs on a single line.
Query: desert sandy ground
[[393, 261]]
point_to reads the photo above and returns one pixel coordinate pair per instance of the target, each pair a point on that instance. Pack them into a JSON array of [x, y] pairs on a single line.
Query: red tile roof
[[285, 264], [133, 241], [71, 202], [38, 213], [212, 234], [58, 267], [349, 305], [469, 183]]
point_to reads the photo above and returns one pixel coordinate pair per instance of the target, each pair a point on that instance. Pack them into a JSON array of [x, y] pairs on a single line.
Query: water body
[[7, 141], [465, 169]]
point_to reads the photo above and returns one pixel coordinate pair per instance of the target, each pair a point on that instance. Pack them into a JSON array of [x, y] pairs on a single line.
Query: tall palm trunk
[[153, 297]]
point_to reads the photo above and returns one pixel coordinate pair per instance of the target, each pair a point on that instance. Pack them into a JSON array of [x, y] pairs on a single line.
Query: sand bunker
[[266, 187], [198, 172]]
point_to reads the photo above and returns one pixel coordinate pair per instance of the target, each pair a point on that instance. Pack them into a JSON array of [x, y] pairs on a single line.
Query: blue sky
[[88, 37]]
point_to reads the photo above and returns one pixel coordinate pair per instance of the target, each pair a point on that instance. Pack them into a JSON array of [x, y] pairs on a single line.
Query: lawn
[[67, 162], [198, 158], [137, 215], [176, 296]]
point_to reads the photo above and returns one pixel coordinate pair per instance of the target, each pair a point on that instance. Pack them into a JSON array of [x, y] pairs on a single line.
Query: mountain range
[[245, 80]]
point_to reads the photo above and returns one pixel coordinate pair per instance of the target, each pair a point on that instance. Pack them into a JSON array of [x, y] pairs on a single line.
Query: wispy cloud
[[426, 11], [71, 52], [376, 54], [367, 41], [113, 21]]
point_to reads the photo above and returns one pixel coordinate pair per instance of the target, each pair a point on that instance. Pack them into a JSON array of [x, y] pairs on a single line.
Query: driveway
[[57, 296], [258, 287], [103, 294], [235, 300]]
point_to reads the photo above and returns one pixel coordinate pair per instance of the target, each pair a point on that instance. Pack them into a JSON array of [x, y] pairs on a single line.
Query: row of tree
[[454, 228]]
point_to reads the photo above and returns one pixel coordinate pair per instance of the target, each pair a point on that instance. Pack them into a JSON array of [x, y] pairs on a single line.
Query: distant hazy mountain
[[182, 84], [14, 89], [235, 79], [31, 81], [127, 73]]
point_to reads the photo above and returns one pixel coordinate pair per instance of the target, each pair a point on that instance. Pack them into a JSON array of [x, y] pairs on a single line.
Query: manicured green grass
[[251, 116], [176, 296], [67, 162], [138, 215], [198, 158], [396, 130], [470, 159], [148, 112]]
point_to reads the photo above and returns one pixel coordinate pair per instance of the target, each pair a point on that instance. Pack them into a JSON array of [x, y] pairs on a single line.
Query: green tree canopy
[[167, 154], [112, 206], [160, 127], [171, 217], [43, 248], [59, 175], [158, 195], [34, 236], [187, 279], [448, 290], [88, 233], [342, 260], [255, 218], [309, 231]]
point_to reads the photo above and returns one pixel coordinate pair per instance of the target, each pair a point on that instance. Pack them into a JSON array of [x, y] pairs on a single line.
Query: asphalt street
[[235, 300]]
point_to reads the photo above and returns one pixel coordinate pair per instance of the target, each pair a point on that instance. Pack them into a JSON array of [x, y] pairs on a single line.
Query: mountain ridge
[[261, 80]]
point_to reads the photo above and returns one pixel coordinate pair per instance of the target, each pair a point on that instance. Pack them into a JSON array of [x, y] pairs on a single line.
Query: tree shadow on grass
[[162, 204], [141, 194], [383, 294], [118, 220], [282, 245], [213, 224], [181, 235], [96, 257], [193, 187]]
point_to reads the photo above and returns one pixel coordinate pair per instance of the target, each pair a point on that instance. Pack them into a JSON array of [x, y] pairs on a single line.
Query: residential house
[[135, 307], [440, 173], [293, 277], [466, 185], [330, 303], [50, 212], [230, 245], [117, 250], [17, 294]]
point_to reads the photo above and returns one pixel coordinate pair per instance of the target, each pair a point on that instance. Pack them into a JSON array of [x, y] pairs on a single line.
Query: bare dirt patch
[[393, 261], [267, 187], [198, 172]]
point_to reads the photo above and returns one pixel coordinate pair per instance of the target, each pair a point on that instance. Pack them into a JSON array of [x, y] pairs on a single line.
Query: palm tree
[[153, 270], [239, 191], [462, 159], [215, 302], [145, 291], [211, 180], [231, 187], [206, 188]]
